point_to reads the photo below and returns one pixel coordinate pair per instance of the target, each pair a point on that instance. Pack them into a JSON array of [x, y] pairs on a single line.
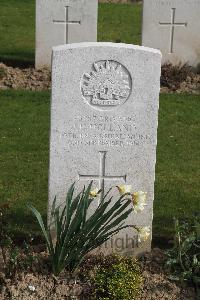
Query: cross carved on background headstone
[[173, 24], [67, 23]]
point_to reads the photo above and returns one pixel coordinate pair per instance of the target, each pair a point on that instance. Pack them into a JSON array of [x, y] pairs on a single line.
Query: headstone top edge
[[106, 44]]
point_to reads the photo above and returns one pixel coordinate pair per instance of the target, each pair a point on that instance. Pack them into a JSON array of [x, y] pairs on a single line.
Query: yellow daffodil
[[124, 189], [143, 233], [139, 201], [94, 193]]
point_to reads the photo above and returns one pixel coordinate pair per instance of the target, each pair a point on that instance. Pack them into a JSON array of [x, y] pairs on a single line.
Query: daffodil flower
[[124, 189], [94, 193], [139, 201], [143, 233]]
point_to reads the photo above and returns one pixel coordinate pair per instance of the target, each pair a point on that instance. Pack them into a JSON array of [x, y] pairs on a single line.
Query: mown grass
[[177, 186], [24, 131], [24, 136], [120, 23], [17, 28], [17, 32]]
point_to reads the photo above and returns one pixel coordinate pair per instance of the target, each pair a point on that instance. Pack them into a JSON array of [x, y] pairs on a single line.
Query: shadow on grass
[[22, 226], [23, 60]]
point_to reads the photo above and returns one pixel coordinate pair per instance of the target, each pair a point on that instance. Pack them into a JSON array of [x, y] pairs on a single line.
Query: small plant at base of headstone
[[184, 258], [10, 253], [119, 278], [76, 234]]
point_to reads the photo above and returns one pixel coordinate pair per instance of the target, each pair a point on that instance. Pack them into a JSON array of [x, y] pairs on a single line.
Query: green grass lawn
[[17, 28], [24, 136], [120, 23], [17, 32]]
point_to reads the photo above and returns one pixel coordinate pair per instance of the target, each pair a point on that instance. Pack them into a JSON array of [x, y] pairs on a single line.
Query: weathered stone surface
[[61, 22], [173, 26], [104, 116]]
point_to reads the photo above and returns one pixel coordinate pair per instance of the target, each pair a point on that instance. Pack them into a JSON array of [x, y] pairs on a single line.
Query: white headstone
[[61, 22], [104, 117], [173, 26]]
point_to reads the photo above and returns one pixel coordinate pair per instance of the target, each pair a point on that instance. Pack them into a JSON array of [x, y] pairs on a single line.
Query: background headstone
[[173, 26], [61, 22], [104, 117]]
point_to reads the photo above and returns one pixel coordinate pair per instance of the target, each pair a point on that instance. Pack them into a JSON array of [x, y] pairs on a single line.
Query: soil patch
[[24, 79], [180, 79], [37, 285], [173, 79]]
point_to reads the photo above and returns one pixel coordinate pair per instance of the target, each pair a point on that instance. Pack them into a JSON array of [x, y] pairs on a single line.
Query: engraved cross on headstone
[[66, 22], [173, 24], [102, 177]]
